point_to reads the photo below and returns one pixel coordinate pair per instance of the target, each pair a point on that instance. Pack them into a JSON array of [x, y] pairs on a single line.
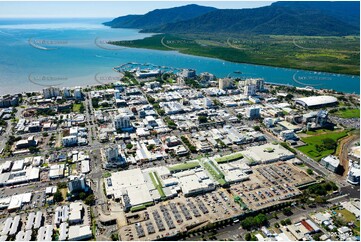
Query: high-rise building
[[77, 93], [321, 118], [113, 157], [353, 175], [50, 92], [77, 184], [111, 153], [66, 92], [225, 83], [258, 82], [249, 90], [253, 113], [208, 102], [188, 73], [122, 121], [8, 101]]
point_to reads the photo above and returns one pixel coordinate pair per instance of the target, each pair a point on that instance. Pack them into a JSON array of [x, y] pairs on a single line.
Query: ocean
[[35, 53]]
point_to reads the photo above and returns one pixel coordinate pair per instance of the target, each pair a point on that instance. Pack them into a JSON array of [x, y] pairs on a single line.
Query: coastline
[[147, 43]]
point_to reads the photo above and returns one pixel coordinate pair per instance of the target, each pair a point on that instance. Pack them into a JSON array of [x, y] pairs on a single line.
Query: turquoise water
[[39, 52]]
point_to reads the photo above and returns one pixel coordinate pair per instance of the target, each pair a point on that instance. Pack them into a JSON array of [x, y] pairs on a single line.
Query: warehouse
[[316, 101]]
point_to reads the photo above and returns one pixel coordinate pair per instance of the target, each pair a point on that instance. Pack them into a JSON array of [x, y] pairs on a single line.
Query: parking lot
[[271, 184], [38, 199], [171, 217]]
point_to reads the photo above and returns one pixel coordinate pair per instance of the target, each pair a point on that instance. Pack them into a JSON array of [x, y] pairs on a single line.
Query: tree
[[289, 97], [82, 195], [114, 237], [58, 197], [288, 221], [202, 119], [248, 237], [309, 171], [33, 149], [151, 147], [90, 200], [62, 185], [277, 225], [329, 144], [129, 146], [256, 128], [287, 211], [151, 100], [95, 102], [161, 112]]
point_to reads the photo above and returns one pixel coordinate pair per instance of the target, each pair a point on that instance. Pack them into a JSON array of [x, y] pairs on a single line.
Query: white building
[[150, 120], [56, 171], [122, 121], [288, 135], [259, 83], [78, 232], [249, 90], [61, 214], [330, 162], [113, 157], [353, 176], [50, 92], [225, 83], [76, 212], [208, 102], [316, 101], [70, 140], [188, 73]]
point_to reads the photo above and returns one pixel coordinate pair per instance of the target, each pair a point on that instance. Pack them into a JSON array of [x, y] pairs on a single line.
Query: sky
[[93, 9]]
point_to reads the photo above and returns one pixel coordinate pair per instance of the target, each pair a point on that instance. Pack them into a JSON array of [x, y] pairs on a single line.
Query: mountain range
[[280, 18], [159, 17]]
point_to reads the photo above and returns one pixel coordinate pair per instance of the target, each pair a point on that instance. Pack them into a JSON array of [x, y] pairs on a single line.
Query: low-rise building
[[78, 232], [331, 163]]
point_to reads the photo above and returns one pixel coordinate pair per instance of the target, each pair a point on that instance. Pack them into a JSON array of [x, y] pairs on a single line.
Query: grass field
[[348, 113], [77, 107], [350, 217], [184, 166], [318, 131], [63, 192], [312, 141], [329, 54]]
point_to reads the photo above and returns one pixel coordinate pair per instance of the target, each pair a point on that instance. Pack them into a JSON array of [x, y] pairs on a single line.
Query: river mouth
[[77, 52]]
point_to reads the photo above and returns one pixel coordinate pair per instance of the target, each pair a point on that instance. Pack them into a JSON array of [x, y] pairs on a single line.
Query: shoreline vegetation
[[339, 55]]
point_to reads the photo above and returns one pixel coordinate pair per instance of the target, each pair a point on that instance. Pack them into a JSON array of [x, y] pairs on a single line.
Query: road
[[345, 146]]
